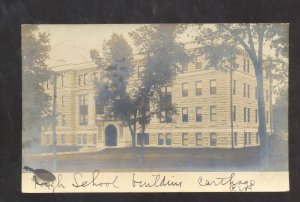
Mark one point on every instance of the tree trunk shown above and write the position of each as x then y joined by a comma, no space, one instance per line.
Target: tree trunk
133,140
263,137
142,145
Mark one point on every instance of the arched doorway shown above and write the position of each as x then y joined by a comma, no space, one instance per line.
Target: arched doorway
110,136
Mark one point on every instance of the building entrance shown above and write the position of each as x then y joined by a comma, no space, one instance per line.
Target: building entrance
110,136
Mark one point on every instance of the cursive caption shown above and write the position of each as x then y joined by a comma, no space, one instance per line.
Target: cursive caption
142,181
232,184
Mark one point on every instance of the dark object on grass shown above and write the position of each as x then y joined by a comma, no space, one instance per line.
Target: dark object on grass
41,174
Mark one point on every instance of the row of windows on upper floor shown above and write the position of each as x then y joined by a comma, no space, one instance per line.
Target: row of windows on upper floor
213,114
82,81
83,115
198,91
83,112
213,89
198,65
83,78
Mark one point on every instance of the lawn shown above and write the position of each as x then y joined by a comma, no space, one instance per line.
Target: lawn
161,159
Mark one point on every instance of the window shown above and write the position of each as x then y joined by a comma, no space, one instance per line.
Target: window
168,139
121,131
80,80
198,139
256,115
245,89
198,63
83,100
94,139
145,138
184,89
62,81
248,114
245,114
198,114
249,138
248,66
257,138
84,79
47,139
99,108
62,139
248,91
267,75
84,141
83,110
79,141
141,70
185,139
213,87
213,113
256,92
99,105
62,100
101,76
63,121
245,138
267,96
235,138
234,113
185,114
244,66
185,68
160,139
165,105
213,139
198,88
234,87
47,85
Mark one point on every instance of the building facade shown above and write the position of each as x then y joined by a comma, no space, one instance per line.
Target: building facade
215,109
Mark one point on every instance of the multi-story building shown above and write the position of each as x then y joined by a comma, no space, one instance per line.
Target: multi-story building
215,109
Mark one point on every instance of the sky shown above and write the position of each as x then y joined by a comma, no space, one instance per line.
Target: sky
72,43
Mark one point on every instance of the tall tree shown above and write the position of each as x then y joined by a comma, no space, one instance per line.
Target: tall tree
118,101
277,72
252,38
163,57
35,103
132,101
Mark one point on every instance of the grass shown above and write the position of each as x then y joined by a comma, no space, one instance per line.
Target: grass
161,159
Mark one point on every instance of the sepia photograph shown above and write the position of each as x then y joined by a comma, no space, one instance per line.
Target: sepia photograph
158,107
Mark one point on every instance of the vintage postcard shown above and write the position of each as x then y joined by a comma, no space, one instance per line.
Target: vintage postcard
155,108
